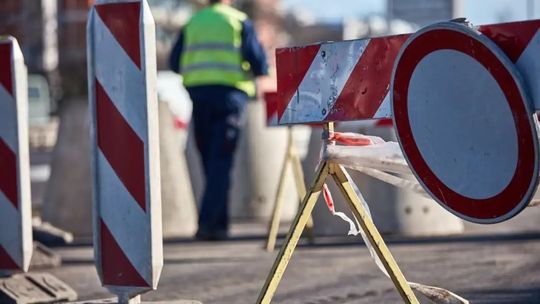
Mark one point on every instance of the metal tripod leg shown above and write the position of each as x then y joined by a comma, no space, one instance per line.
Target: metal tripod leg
372,234
291,157
293,236
273,226
301,189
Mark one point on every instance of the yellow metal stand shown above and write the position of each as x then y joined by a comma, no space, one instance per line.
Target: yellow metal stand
338,174
291,158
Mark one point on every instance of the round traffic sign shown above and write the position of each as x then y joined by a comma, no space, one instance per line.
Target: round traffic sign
465,123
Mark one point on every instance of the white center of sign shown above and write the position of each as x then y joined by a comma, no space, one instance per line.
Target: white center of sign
450,119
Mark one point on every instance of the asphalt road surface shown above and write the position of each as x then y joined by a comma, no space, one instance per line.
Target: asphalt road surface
497,264
488,264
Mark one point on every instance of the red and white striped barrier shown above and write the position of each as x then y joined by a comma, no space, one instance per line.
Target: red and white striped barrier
15,202
462,100
350,80
125,162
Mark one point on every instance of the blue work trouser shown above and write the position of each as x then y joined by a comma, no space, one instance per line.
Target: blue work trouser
217,117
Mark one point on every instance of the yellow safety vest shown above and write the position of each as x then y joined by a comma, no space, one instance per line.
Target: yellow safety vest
211,54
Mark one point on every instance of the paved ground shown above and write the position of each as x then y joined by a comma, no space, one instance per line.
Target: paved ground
489,264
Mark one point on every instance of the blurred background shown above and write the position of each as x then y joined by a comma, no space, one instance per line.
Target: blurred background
52,32
52,35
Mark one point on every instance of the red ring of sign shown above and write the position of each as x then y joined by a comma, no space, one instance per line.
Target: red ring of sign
507,200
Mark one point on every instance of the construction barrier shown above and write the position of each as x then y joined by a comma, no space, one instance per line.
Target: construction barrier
125,141
462,100
351,80
15,202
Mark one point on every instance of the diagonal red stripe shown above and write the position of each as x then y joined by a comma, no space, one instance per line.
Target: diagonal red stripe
122,20
116,268
6,262
8,173
292,66
369,81
121,146
5,67
385,122
271,104
512,37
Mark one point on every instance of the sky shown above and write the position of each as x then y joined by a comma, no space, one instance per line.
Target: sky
477,11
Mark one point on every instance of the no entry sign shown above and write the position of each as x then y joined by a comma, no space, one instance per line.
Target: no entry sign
465,123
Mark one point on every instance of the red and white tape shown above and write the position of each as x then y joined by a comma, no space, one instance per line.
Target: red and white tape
350,80
348,139
123,103
15,202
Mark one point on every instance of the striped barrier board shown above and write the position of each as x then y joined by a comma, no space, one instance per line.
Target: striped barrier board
125,158
15,202
350,80
462,100
271,101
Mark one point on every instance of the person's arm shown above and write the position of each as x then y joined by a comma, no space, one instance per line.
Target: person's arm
176,53
252,50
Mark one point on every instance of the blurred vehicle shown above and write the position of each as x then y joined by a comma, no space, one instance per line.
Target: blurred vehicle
43,127
39,100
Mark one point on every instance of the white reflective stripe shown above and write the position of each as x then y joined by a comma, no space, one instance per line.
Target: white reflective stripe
212,65
125,86
8,119
127,222
211,47
385,109
333,70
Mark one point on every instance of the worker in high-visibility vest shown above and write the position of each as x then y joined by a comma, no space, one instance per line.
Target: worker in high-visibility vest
219,56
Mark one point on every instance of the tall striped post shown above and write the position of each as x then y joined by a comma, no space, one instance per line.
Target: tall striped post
15,203
125,147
